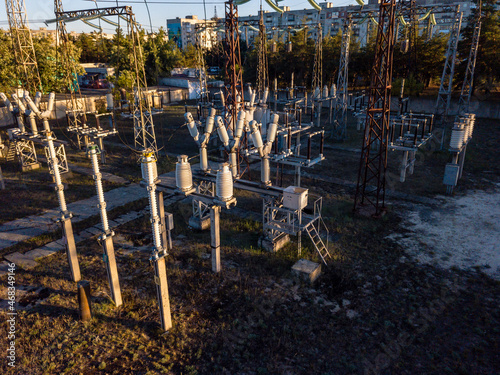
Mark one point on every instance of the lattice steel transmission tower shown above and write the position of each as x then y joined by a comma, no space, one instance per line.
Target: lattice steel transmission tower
317,80
262,71
340,110
373,162
75,105
444,94
144,134
24,51
234,85
465,94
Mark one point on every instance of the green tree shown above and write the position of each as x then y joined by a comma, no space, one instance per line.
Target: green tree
487,71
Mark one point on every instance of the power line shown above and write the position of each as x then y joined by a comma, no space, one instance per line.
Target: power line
157,2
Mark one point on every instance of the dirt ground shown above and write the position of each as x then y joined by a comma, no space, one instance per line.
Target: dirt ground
414,292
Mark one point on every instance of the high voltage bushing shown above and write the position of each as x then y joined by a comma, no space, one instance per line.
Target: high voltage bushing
65,215
107,236
149,174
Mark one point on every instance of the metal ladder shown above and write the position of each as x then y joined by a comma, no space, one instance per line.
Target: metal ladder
318,243
11,152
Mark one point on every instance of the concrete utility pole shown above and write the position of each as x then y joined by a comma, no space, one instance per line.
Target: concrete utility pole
215,237
159,252
53,161
107,236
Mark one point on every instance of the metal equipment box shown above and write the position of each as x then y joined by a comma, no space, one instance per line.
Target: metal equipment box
295,198
451,173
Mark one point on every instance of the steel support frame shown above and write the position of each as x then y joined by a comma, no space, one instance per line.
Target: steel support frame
234,86
373,162
445,88
340,110
25,150
466,92
262,70
24,51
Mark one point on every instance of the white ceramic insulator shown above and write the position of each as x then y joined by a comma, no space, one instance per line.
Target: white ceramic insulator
209,128
266,94
240,124
233,160
250,90
57,175
222,131
252,98
317,92
109,101
203,159
99,189
457,138
333,90
272,128
50,104
224,183
325,91
223,101
255,135
183,174
33,125
193,129
153,205
38,98
265,173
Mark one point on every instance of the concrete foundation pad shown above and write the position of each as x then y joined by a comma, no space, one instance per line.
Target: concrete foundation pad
201,224
307,270
274,245
23,261
30,167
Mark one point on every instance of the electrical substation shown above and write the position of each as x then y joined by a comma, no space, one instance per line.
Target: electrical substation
270,144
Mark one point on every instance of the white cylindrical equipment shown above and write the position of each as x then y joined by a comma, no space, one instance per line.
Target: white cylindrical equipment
54,163
183,174
325,91
457,138
148,161
210,121
265,171
255,135
252,98
193,129
317,93
109,102
98,185
272,128
224,183
266,94
222,131
333,90
240,124
203,159
233,160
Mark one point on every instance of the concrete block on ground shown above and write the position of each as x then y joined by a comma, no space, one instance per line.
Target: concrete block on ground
23,261
274,245
201,224
306,270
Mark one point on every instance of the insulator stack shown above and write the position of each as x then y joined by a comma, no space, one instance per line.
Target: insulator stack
224,183
183,174
149,162
98,184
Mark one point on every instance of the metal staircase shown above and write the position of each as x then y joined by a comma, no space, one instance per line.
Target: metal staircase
11,152
319,245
